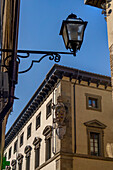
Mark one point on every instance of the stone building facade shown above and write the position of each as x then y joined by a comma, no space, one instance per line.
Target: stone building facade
66,125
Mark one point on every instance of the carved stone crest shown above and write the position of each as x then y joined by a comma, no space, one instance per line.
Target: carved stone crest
60,116
60,112
61,131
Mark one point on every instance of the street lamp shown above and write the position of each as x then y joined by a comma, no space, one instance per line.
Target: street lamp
72,31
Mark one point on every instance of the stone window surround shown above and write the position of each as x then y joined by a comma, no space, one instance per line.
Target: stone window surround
38,116
48,114
29,126
15,146
36,143
20,158
47,132
93,96
27,150
21,143
96,127
10,150
13,164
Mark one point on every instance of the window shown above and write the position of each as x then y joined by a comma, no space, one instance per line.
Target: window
15,146
47,132
94,144
95,137
10,152
27,151
37,157
20,161
29,131
21,139
13,164
48,148
36,143
5,155
38,120
28,163
93,102
20,166
48,109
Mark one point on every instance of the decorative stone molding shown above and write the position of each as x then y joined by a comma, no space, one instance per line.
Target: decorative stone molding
27,150
61,131
20,158
13,163
60,112
60,118
96,126
37,142
47,132
95,123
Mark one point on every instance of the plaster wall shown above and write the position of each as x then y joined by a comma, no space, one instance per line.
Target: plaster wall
83,115
80,163
35,133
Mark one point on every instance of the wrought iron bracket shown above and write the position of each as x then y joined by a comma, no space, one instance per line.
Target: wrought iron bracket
53,55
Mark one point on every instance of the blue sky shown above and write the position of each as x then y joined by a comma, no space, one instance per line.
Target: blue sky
39,27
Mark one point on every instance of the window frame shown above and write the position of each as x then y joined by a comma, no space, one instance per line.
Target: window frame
47,132
20,166
29,135
10,150
95,141
95,126
28,162
15,146
93,97
48,113
21,136
101,141
20,161
48,148
38,117
27,151
37,143
37,157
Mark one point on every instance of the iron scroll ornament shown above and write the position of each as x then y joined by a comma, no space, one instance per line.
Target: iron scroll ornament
53,55
56,57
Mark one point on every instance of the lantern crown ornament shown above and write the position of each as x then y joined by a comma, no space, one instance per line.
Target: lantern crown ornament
72,31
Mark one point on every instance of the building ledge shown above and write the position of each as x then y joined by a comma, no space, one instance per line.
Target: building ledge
95,3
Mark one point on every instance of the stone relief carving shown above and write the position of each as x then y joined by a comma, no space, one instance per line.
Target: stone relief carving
60,117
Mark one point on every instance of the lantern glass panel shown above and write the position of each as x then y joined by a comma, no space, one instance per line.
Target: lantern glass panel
65,36
75,31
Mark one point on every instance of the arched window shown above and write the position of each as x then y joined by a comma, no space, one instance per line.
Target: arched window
47,132
27,151
13,164
20,161
36,143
